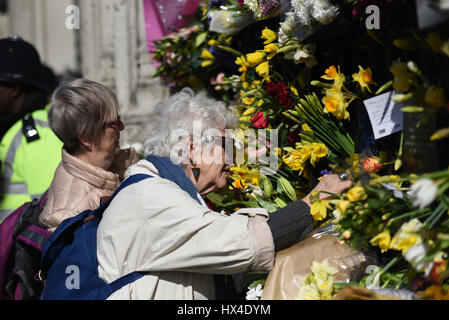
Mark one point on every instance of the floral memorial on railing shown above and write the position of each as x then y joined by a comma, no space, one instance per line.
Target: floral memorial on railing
354,86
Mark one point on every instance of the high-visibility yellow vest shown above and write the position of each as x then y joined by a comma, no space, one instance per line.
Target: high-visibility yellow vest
27,168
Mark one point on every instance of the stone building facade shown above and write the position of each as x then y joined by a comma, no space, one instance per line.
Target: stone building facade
109,47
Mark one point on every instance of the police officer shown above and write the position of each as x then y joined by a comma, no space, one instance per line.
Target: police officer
29,150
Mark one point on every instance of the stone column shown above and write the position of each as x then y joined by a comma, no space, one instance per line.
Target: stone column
42,23
114,53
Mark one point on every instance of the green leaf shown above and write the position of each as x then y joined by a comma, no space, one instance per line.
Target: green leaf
200,38
271,207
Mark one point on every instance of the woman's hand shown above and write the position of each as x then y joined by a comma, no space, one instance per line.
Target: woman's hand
330,183
126,158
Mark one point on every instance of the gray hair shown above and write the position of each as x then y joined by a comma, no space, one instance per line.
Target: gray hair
80,109
173,120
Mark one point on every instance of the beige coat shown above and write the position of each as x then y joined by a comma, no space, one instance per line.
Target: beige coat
156,227
77,186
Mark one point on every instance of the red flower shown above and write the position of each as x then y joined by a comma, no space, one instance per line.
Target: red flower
280,91
293,136
438,268
259,120
372,164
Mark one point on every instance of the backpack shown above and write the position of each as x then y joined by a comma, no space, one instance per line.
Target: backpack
69,257
21,240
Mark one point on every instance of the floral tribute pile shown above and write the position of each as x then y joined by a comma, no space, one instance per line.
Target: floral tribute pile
305,68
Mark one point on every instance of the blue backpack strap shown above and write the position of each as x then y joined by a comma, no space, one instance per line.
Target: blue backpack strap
130,277
64,233
130,180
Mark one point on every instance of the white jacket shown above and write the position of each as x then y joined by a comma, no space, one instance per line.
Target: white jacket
156,227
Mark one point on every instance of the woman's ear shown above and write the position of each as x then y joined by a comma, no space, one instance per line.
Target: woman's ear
194,155
86,144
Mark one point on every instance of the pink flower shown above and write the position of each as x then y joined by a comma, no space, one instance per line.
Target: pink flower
241,2
259,120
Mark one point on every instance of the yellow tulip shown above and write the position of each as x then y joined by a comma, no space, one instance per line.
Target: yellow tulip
356,194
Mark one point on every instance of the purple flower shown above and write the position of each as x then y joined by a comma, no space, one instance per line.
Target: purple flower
267,5
323,172
241,3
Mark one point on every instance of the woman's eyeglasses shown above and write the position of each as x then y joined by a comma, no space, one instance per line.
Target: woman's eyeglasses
118,123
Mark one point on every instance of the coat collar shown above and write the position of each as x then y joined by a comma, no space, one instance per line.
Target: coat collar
95,176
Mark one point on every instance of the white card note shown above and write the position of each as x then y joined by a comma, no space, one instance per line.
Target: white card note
385,115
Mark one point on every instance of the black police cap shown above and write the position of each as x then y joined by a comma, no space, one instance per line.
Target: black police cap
20,63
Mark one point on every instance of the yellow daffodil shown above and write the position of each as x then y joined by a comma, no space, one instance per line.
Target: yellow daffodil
255,58
319,209
271,49
268,35
382,240
293,160
244,177
335,103
331,73
435,97
305,152
319,150
356,194
402,77
364,78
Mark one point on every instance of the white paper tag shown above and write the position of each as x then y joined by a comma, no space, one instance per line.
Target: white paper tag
385,115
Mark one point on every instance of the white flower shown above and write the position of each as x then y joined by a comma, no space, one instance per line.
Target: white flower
423,192
255,7
415,254
254,293
396,192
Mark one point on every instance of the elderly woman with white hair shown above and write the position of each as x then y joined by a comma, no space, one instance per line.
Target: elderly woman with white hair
162,226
